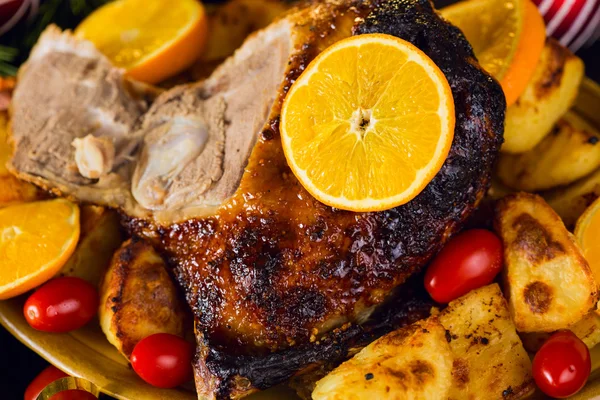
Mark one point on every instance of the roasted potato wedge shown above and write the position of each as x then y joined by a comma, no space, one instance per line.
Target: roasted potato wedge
570,202
487,358
548,282
138,297
569,153
414,362
232,22
588,330
100,237
490,361
549,94
229,25
12,190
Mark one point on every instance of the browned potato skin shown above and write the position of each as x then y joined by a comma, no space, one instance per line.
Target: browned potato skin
487,358
549,94
588,330
414,362
547,281
234,21
12,189
100,237
138,298
229,25
569,153
490,361
570,202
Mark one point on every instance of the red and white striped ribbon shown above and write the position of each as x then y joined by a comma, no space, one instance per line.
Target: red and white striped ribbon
26,8
574,23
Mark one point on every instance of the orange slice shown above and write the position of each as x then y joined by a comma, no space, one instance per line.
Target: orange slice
368,124
507,37
152,39
36,240
587,232
529,50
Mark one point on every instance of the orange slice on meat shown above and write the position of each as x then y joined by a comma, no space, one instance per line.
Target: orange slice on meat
368,124
36,240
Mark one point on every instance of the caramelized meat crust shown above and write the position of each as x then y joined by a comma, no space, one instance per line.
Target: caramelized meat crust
275,264
309,362
275,269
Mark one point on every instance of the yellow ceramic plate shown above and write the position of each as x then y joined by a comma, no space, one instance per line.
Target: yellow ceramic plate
87,354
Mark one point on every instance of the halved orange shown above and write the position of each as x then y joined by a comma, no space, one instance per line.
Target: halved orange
368,124
587,232
151,39
36,240
507,37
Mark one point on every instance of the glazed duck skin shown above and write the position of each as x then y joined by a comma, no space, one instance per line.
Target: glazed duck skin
275,268
268,271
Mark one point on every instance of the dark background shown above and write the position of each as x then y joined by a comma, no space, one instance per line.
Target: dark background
19,365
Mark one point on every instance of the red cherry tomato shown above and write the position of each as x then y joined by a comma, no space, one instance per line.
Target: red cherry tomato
163,360
562,365
46,377
468,261
61,305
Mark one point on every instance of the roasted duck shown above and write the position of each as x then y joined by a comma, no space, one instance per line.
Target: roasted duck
278,282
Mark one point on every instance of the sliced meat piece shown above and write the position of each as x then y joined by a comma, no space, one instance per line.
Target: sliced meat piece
198,137
182,159
68,90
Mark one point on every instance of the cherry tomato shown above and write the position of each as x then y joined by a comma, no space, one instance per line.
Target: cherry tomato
562,365
46,377
61,305
468,261
163,360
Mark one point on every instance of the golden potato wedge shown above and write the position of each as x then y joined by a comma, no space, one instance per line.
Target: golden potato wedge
234,21
138,298
569,153
490,361
12,190
549,94
547,281
414,362
100,237
570,202
588,330
229,25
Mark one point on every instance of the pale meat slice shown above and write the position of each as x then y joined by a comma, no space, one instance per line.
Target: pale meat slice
68,90
198,137
95,136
